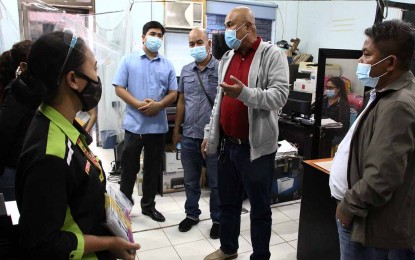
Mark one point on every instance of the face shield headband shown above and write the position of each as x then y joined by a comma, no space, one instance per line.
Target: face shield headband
71,46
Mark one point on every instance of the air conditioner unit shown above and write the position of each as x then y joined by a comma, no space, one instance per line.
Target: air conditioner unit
183,15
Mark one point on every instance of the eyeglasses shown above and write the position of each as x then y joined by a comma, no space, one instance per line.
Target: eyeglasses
71,46
82,75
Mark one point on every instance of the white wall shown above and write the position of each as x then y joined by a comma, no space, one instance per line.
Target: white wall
327,24
9,27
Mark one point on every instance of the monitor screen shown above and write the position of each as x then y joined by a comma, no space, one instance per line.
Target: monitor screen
298,104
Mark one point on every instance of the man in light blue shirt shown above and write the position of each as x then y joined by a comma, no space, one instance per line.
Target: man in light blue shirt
197,90
146,81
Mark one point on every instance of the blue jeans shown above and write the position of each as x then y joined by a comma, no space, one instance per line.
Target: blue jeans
7,183
350,250
236,175
192,161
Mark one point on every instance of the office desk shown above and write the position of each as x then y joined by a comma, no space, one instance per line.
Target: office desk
303,137
298,134
317,234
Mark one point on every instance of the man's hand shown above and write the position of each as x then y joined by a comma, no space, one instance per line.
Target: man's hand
151,108
176,137
203,148
232,91
344,220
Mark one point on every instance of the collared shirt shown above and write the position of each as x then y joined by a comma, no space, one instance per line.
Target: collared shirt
338,172
234,113
145,78
60,190
197,106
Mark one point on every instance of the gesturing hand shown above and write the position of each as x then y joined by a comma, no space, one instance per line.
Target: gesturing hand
232,91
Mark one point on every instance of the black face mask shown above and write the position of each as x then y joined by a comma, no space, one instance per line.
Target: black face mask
91,95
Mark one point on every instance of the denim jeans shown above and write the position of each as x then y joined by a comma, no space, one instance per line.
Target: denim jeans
350,250
192,161
7,183
236,175
153,145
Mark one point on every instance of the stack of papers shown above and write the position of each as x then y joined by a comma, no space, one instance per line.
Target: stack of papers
285,149
330,123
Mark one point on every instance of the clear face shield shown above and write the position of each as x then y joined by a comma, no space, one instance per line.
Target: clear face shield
107,36
40,18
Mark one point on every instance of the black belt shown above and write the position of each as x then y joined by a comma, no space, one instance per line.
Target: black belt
236,140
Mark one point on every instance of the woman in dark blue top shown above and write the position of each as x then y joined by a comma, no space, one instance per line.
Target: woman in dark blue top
336,106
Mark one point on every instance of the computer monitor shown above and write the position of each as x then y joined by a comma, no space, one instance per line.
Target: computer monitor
298,104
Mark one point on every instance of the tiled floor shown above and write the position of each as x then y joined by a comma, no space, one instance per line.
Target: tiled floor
163,241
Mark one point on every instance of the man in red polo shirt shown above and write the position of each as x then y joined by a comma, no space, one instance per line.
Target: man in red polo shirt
244,126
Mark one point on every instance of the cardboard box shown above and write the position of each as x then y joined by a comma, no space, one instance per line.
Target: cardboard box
307,67
306,85
173,181
333,70
288,179
173,162
173,174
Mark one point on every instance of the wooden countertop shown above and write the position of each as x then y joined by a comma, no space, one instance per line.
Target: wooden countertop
312,163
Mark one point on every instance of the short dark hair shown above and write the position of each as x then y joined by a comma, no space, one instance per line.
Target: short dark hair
6,71
10,60
394,37
339,83
151,25
19,52
46,59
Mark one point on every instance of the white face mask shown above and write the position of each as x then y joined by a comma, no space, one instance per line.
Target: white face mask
363,73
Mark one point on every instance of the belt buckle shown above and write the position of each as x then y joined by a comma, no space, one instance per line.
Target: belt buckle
239,141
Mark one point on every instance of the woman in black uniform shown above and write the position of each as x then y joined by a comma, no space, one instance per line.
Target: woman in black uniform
60,184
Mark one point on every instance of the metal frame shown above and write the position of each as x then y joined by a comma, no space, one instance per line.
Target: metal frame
380,8
323,55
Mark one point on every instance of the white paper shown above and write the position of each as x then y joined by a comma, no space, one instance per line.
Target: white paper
330,123
325,165
13,211
286,149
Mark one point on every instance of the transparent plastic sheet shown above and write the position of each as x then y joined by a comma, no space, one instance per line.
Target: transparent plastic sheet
107,35
110,121
118,208
9,29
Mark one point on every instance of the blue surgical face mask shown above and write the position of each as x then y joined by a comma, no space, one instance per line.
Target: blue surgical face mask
153,44
363,74
330,93
198,53
231,40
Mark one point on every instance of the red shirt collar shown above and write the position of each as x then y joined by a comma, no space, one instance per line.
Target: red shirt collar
256,43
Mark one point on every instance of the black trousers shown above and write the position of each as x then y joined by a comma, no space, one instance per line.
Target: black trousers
153,145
